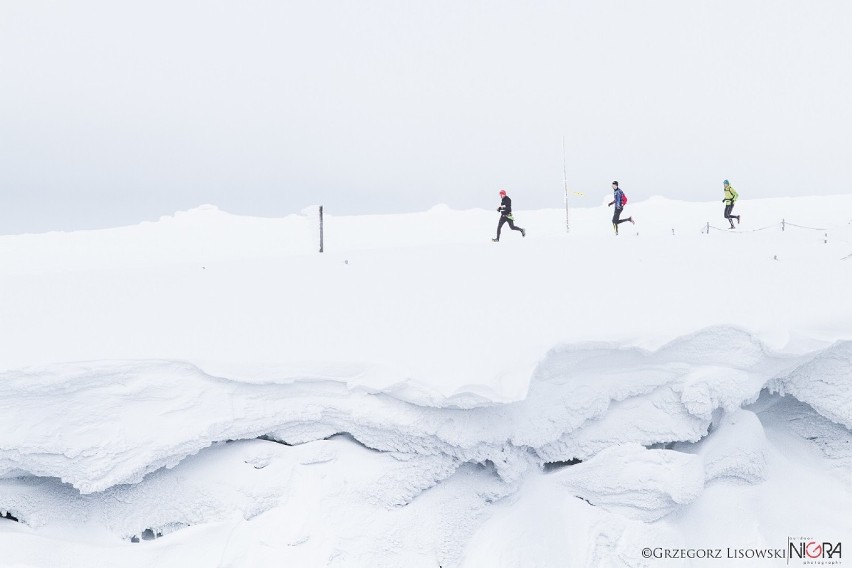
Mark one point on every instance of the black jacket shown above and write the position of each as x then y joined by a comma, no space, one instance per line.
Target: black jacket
505,206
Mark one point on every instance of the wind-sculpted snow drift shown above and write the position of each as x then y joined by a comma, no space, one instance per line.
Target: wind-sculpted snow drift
650,428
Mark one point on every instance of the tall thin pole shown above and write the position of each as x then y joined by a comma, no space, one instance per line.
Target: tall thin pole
320,227
565,178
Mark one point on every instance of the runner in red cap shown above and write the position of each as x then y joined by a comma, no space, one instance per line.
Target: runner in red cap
505,210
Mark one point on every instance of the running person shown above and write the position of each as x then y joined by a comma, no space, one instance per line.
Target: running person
731,197
505,210
618,201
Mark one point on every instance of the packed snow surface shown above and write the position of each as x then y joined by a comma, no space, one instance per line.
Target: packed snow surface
210,390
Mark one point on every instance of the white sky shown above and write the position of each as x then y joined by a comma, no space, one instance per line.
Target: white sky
116,112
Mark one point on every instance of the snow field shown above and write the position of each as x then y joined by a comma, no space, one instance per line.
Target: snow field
420,396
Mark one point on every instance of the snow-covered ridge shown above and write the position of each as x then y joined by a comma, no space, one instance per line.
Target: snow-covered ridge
207,233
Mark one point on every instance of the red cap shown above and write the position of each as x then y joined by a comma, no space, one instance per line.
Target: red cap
502,192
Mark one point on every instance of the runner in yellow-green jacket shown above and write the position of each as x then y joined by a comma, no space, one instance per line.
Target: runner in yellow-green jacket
731,197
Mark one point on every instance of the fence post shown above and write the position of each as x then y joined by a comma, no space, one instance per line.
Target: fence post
320,228
708,227
783,224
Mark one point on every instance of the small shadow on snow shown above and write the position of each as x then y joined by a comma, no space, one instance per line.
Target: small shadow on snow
152,534
550,467
9,516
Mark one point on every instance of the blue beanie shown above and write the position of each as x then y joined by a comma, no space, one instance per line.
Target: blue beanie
726,182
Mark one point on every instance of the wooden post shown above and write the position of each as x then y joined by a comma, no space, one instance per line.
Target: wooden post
320,228
783,223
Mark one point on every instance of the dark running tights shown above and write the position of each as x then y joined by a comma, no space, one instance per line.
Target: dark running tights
504,219
728,209
616,215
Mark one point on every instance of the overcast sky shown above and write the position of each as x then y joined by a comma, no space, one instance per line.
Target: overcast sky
113,112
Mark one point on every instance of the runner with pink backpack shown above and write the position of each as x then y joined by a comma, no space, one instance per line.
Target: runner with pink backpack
619,200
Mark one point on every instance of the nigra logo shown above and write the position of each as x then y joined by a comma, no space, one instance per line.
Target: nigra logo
813,549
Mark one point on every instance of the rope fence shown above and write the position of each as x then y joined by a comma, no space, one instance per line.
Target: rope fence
721,230
706,229
803,227
783,224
